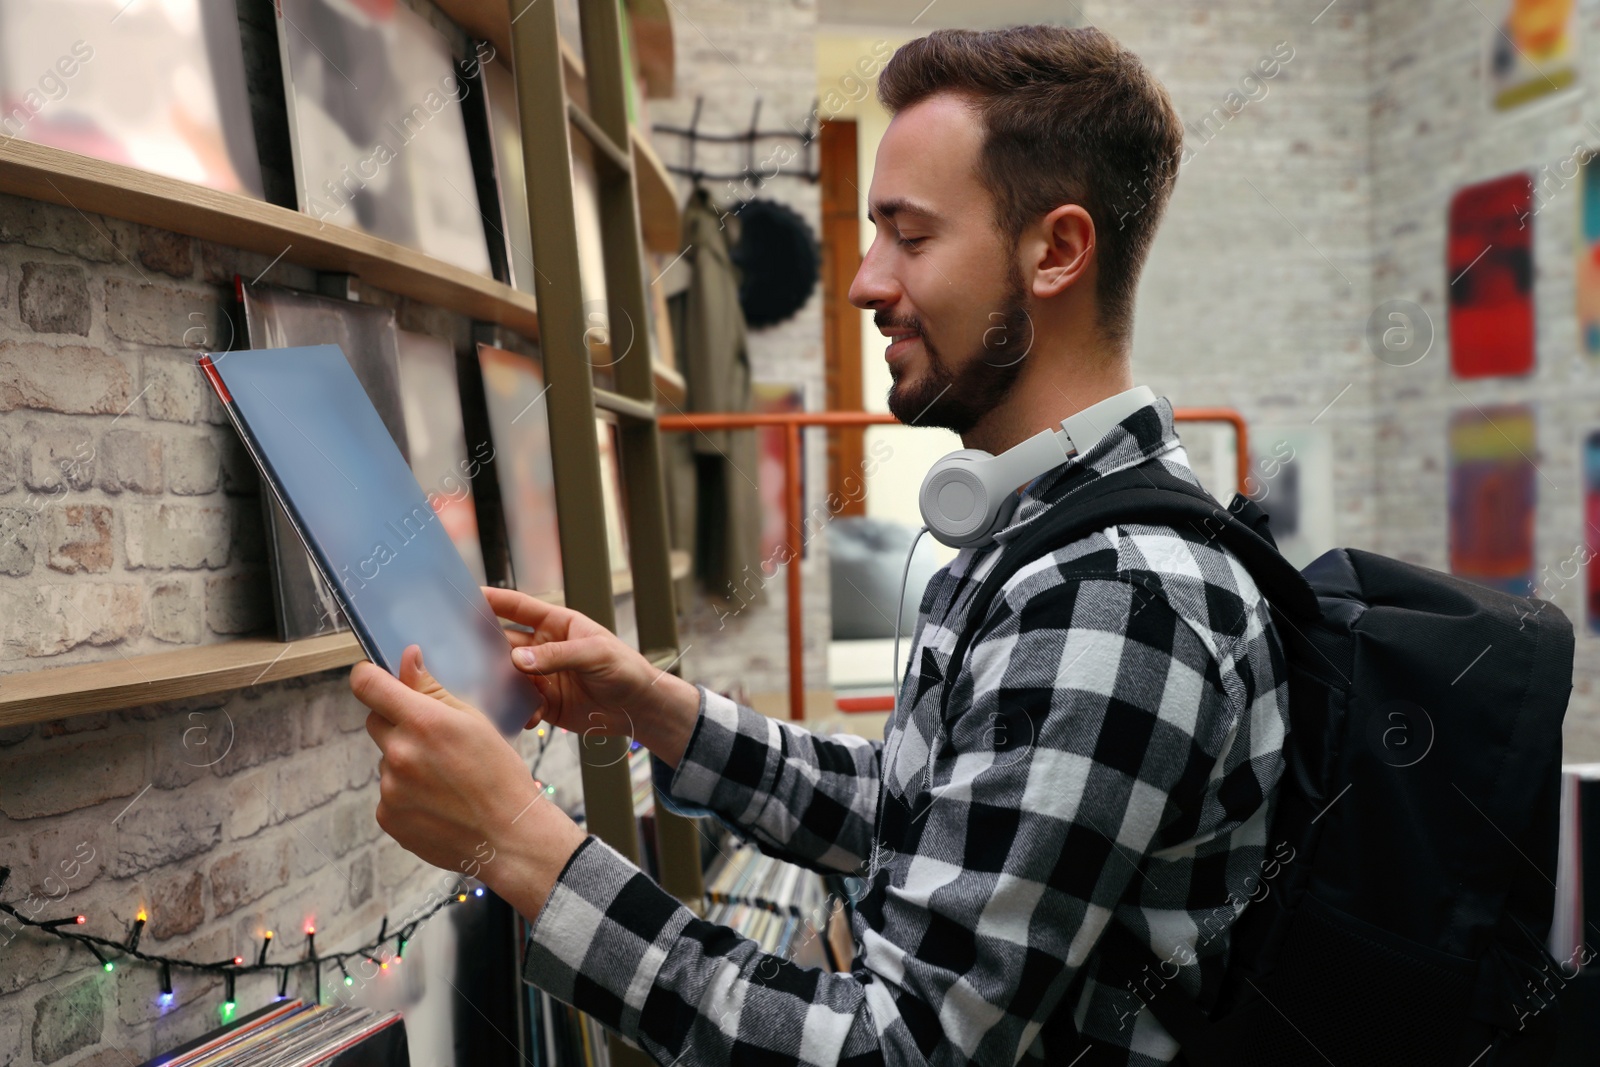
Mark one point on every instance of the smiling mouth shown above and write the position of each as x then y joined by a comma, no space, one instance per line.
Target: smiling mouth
899,344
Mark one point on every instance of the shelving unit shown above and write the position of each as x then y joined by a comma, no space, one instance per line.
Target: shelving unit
129,681
561,96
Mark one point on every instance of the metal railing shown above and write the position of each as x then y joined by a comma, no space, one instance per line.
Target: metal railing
792,423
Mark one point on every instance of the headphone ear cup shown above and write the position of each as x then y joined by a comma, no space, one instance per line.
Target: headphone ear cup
958,505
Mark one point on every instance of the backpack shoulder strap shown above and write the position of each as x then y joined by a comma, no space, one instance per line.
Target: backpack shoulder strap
1145,494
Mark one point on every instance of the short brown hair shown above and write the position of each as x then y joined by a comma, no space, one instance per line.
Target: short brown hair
1070,116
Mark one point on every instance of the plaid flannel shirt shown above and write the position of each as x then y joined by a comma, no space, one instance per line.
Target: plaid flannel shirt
1113,746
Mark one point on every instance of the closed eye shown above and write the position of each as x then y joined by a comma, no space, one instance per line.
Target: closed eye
910,242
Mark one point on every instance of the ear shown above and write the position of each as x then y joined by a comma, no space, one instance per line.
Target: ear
1063,248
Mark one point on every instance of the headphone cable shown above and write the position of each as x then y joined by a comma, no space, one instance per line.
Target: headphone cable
899,611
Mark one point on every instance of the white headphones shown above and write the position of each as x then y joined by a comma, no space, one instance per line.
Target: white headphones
969,495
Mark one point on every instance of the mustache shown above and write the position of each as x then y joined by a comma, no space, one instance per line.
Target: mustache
882,320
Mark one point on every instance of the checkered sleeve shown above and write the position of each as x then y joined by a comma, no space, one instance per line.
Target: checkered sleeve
804,797
1038,812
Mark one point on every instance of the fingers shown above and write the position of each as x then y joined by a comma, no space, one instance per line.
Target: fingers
529,611
415,675
386,695
585,654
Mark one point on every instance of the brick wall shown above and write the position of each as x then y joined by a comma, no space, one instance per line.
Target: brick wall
728,53
1433,132
130,522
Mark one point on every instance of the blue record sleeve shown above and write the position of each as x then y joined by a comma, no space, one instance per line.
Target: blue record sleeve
327,456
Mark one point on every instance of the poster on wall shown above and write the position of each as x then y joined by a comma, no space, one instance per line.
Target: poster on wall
1489,266
159,87
1492,497
1533,51
1291,478
280,318
1587,280
380,142
1591,528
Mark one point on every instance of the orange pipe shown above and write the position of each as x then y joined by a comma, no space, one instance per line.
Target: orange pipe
793,422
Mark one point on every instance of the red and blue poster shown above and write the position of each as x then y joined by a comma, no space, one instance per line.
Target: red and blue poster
1489,265
1591,528
1492,497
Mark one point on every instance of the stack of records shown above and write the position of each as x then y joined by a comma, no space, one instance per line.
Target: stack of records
644,809
292,1033
777,904
563,1036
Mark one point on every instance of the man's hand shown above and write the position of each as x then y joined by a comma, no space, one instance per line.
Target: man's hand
592,681
454,792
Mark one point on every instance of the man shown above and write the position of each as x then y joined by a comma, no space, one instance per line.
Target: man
1115,733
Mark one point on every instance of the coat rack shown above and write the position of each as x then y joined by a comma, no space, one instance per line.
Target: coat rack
692,135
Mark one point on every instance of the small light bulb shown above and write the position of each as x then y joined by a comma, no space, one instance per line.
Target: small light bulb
348,980
142,917
478,891
109,966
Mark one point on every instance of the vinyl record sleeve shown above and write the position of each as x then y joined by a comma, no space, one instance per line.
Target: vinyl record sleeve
519,424
439,451
281,318
326,455
380,141
160,87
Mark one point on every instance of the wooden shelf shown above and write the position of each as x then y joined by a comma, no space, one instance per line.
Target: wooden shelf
43,173
130,681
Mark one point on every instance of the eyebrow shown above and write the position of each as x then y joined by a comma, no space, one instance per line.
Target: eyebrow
897,205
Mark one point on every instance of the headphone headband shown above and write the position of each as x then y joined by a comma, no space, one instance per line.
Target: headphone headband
970,494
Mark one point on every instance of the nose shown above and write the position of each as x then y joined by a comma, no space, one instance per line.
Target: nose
874,285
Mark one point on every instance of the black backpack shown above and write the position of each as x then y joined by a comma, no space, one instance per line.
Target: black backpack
1404,916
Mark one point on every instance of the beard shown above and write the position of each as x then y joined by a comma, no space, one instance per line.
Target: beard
956,395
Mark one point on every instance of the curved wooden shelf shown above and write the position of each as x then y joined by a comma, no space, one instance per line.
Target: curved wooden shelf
130,681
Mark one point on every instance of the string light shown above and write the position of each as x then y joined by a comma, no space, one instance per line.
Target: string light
266,943
138,928
105,964
99,947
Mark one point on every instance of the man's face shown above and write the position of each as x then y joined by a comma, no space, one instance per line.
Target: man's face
942,283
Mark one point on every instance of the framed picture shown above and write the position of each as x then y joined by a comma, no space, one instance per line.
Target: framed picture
518,426
159,87
1533,51
280,318
440,456
1291,478
380,142
1492,497
1489,267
